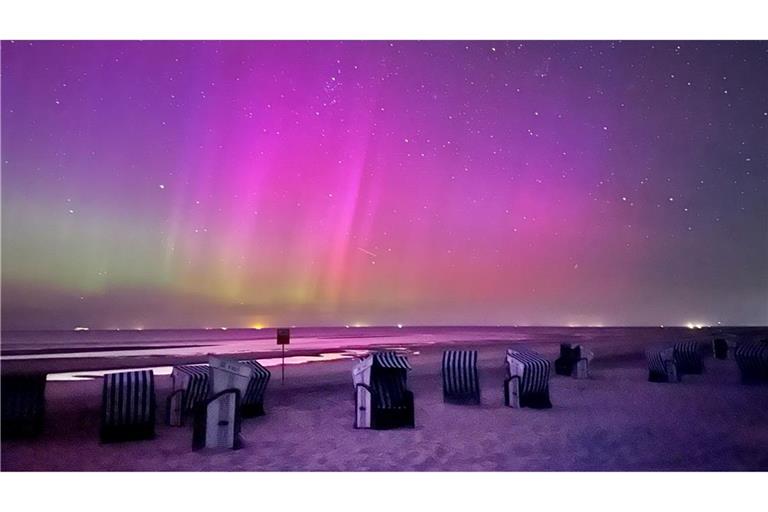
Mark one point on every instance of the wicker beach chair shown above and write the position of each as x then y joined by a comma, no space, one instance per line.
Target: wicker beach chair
23,405
688,359
128,406
574,361
752,359
720,348
382,397
661,365
461,383
191,387
527,382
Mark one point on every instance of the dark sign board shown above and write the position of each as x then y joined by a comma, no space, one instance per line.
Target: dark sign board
283,336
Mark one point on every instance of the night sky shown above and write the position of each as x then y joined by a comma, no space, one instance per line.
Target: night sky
207,184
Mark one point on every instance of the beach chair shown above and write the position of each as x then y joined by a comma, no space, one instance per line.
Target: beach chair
752,359
527,381
661,365
217,419
253,399
128,406
461,383
720,348
382,397
191,387
688,359
573,361
23,405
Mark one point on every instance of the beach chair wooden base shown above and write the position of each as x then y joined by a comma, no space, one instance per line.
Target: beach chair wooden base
512,392
470,399
363,406
174,409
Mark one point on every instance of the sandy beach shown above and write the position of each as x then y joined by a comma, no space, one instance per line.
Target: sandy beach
614,421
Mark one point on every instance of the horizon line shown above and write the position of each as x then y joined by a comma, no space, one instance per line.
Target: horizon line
393,326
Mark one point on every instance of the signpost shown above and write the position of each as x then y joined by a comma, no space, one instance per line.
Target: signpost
283,339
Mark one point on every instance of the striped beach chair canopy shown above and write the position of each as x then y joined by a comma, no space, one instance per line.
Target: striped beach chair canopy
391,360
752,359
660,362
253,399
128,406
193,380
460,378
687,356
533,371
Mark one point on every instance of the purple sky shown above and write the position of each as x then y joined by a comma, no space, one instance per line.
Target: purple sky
205,184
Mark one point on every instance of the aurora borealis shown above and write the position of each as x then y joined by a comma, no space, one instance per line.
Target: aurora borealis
205,184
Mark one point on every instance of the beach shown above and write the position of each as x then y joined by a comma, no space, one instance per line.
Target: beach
616,420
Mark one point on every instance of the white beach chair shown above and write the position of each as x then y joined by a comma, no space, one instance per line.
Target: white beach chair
217,419
527,382
382,398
